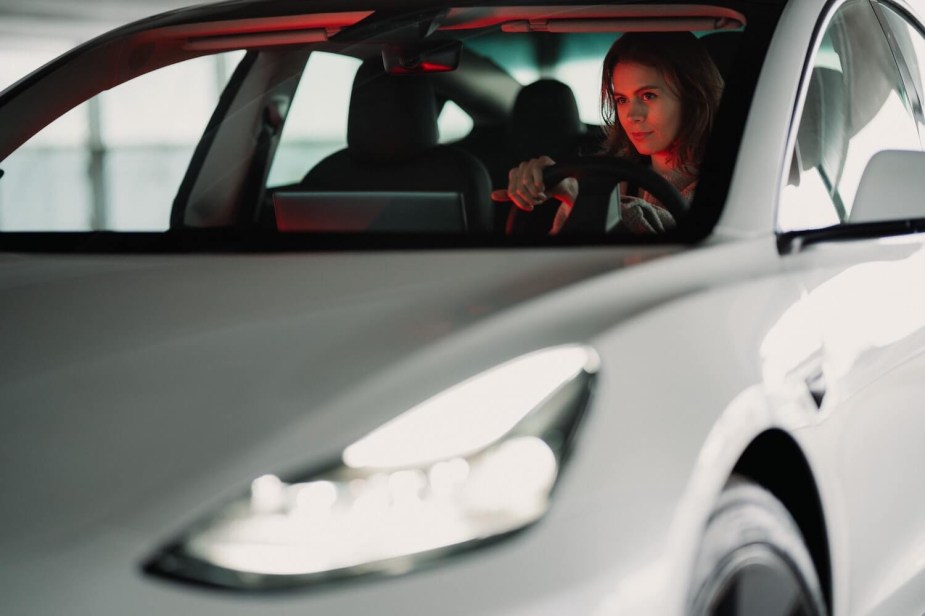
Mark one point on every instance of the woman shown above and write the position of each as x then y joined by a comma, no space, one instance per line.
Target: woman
659,95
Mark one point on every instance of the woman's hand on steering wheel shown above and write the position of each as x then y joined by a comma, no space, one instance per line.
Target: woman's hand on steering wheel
601,174
526,188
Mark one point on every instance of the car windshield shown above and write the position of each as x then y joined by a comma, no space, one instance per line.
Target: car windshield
383,127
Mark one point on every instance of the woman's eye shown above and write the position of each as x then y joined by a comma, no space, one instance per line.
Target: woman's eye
620,100
649,96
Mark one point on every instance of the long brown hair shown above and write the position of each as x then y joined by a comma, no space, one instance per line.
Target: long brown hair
689,71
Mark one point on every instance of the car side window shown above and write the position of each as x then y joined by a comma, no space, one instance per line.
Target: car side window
856,105
115,162
316,124
911,43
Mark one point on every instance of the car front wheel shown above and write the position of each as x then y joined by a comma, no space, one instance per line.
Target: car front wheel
753,559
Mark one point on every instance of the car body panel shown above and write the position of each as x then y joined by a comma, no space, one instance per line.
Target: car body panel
142,392
771,126
866,300
154,495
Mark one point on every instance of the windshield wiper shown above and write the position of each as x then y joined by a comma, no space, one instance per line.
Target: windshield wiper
793,241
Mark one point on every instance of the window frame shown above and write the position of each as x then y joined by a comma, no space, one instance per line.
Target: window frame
918,104
820,30
170,33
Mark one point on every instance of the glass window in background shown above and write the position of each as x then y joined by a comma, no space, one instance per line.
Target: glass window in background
577,63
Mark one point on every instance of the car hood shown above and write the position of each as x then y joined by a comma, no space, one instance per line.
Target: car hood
139,392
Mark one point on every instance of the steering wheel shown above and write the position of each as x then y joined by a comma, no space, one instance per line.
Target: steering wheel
599,176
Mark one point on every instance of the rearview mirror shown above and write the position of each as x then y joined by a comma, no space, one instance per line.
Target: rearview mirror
422,57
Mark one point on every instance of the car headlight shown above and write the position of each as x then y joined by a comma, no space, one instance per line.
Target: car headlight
475,462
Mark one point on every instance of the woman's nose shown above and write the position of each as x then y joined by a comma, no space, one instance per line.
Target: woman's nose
636,111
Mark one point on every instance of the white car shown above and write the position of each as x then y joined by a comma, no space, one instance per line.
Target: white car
233,386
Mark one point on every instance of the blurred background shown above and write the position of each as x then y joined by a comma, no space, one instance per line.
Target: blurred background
95,152
35,31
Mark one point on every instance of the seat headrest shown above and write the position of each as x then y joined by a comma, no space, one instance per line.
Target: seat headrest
391,119
544,119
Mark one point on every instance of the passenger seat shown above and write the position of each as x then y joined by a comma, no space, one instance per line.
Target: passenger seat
392,146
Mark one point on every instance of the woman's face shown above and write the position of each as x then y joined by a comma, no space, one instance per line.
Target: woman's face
647,108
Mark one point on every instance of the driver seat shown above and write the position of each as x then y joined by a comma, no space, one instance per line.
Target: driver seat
392,145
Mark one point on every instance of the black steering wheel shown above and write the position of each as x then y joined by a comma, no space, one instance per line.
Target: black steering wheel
599,176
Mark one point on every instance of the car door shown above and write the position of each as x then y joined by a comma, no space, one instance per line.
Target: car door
864,281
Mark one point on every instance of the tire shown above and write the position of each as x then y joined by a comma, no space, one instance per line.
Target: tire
753,560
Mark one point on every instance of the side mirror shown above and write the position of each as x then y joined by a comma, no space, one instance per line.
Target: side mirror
421,57
892,187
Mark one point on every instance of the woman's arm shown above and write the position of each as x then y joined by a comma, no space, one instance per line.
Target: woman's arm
526,189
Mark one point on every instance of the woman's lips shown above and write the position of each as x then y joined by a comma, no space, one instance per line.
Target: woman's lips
637,136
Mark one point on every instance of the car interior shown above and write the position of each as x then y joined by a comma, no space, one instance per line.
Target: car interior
392,147
413,65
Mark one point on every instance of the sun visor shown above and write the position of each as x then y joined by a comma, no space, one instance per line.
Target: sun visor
650,24
691,17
